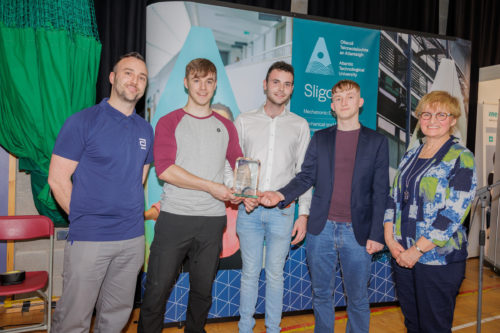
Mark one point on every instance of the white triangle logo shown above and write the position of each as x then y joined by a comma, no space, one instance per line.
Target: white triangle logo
320,62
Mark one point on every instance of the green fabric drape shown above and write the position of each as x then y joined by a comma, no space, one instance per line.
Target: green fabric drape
47,73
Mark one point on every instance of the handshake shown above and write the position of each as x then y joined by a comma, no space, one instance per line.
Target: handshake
223,193
268,199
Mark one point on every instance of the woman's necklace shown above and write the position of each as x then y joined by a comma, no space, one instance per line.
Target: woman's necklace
431,151
406,193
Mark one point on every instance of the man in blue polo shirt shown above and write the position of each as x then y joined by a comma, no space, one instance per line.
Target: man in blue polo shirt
98,166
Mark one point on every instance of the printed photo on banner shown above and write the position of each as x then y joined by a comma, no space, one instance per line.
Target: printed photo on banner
410,66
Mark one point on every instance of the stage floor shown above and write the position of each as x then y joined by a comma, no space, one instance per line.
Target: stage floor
384,318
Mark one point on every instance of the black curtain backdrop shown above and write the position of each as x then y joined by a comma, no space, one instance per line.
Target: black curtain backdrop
419,15
269,4
122,28
479,22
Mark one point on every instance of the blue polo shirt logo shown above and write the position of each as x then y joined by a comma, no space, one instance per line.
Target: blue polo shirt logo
142,143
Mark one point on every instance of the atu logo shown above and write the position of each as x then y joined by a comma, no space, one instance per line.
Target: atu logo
320,62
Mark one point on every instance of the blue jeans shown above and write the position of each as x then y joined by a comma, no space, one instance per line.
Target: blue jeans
274,227
336,243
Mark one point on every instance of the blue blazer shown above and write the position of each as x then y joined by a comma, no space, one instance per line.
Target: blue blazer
370,183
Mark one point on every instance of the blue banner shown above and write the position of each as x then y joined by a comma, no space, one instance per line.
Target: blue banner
324,53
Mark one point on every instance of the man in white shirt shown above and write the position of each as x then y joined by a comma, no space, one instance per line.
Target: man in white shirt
279,139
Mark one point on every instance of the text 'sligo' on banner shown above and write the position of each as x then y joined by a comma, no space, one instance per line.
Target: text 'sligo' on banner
324,53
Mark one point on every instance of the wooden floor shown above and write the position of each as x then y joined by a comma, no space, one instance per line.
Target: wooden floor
383,319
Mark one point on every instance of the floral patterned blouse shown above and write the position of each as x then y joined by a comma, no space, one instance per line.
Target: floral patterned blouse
443,191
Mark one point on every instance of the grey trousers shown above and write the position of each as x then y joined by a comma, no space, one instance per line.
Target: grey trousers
101,275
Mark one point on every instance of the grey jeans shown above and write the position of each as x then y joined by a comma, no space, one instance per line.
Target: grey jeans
101,275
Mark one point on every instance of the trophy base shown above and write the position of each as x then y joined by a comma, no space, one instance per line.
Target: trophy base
246,195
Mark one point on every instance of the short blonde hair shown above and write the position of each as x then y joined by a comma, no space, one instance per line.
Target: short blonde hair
344,85
439,99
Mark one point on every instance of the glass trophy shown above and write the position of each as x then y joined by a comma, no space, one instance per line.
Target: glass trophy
246,177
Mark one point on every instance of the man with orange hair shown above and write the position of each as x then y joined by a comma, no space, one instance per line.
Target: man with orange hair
348,164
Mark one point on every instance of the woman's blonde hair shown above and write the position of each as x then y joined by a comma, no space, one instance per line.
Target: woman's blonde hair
439,100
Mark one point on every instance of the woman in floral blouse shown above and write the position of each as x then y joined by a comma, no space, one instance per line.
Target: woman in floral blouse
423,225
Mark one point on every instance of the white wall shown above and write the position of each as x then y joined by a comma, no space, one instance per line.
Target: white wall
33,255
488,96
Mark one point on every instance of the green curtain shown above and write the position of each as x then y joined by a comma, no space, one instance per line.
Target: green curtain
49,59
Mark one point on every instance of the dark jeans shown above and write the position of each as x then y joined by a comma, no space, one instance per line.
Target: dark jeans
427,295
176,237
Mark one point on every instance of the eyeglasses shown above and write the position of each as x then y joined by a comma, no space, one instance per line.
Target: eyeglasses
441,116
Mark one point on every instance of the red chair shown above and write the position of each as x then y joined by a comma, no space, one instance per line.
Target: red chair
24,228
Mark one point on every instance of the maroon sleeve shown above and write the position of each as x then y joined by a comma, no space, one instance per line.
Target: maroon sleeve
233,147
165,145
